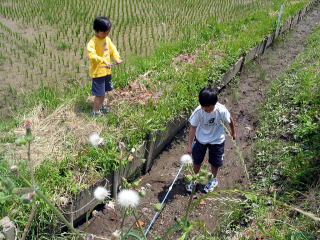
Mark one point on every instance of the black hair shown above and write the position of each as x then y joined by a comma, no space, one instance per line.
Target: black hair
208,97
102,24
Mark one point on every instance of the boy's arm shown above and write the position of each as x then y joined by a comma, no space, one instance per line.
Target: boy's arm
233,128
92,54
114,53
192,134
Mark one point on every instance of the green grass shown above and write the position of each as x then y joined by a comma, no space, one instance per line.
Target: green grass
293,114
287,153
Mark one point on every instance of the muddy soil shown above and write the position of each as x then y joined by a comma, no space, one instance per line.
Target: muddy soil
242,99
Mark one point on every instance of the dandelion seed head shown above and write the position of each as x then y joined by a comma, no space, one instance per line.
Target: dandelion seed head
100,193
128,198
95,140
186,159
133,150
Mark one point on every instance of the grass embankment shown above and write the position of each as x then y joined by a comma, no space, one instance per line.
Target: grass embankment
215,48
49,47
286,162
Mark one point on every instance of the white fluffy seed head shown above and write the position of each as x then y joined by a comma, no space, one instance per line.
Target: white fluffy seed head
128,198
95,140
186,159
100,193
133,150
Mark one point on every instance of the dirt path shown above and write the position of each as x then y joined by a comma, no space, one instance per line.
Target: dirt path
242,99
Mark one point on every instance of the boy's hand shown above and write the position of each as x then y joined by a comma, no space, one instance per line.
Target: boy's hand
233,129
118,61
108,65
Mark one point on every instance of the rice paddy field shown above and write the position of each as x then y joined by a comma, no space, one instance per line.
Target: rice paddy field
42,42
171,49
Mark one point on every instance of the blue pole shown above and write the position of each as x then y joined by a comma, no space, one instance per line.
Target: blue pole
165,197
279,16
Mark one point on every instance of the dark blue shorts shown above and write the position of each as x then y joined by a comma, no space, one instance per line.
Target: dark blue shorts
101,85
216,153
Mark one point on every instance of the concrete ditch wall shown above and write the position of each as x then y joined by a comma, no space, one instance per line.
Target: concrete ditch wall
157,140
85,201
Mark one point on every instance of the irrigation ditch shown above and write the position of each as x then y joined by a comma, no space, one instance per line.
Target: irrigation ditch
158,140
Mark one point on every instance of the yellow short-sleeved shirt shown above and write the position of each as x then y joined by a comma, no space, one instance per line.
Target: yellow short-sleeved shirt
100,50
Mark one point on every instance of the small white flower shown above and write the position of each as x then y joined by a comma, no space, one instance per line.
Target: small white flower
90,237
63,201
95,140
133,150
14,168
109,205
128,198
95,213
186,159
115,234
100,193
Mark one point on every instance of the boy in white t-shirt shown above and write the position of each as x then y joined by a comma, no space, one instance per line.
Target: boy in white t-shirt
207,132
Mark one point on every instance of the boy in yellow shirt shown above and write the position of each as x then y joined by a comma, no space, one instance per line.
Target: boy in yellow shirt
100,50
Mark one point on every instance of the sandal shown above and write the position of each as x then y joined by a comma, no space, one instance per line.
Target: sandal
96,114
105,109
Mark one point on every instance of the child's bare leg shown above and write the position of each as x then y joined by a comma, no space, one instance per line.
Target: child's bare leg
214,171
102,100
105,98
196,168
97,103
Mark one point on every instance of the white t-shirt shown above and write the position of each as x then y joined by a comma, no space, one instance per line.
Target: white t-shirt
209,125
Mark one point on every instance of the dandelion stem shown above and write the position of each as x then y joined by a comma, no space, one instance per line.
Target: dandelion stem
59,214
30,163
123,218
189,203
26,229
54,208
191,171
137,221
130,228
